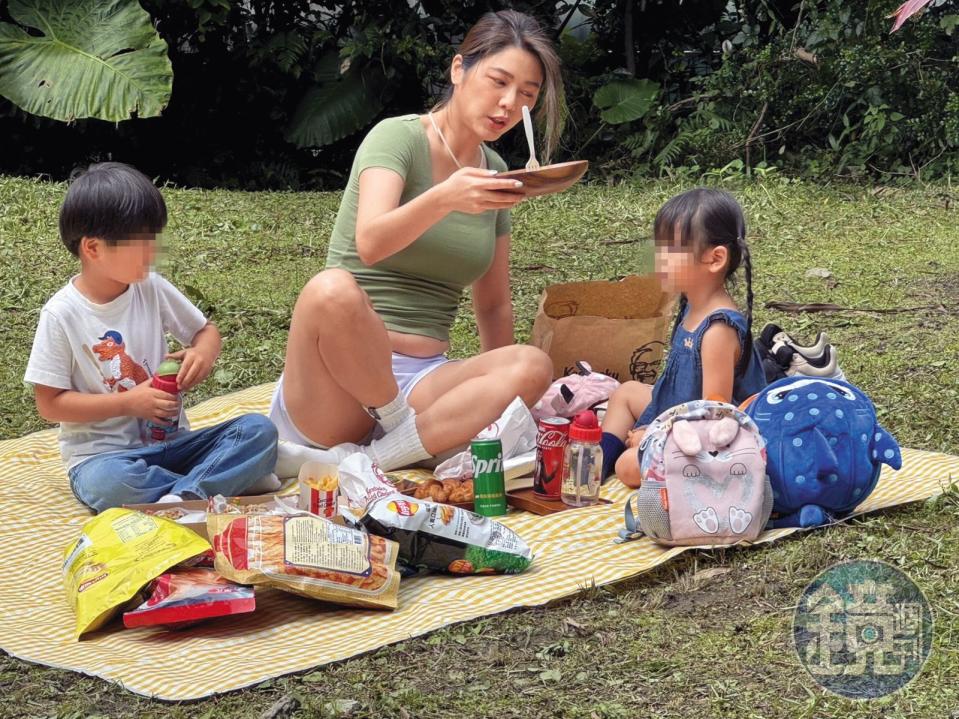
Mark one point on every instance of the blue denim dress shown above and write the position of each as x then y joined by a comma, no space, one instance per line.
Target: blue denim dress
682,380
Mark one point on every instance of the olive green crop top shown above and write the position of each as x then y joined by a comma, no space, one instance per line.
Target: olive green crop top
418,289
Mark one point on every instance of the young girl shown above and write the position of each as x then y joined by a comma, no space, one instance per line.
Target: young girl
700,239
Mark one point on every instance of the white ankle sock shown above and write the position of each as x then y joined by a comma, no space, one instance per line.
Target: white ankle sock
392,414
169,498
290,457
264,485
398,448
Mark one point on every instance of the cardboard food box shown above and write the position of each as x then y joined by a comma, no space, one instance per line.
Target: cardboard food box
619,327
319,488
194,510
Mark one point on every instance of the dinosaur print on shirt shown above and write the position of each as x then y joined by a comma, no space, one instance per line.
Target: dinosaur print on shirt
124,372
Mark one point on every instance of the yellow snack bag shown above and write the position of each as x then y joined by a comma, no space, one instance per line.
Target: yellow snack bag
118,552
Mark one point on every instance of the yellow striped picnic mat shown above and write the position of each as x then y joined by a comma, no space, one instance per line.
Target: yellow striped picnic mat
39,517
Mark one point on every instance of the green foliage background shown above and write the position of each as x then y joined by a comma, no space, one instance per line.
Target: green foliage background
278,95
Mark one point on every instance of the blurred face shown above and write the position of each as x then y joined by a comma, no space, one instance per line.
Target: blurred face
681,269
491,94
674,267
126,262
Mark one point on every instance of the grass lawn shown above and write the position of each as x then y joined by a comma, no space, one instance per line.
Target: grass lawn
709,634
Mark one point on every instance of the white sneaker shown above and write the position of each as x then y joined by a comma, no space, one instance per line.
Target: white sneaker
814,350
774,337
826,365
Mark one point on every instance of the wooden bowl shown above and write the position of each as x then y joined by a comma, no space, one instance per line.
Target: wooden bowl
547,179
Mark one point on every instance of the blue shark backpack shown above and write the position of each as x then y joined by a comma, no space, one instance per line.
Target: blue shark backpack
824,448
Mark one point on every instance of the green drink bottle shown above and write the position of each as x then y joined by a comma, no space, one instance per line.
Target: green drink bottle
489,482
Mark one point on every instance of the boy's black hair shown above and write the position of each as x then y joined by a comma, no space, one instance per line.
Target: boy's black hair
710,218
111,201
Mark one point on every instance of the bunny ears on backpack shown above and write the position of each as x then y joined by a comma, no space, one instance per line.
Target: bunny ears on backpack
721,434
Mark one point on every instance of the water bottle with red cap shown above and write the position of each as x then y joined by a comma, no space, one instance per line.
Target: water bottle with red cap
584,461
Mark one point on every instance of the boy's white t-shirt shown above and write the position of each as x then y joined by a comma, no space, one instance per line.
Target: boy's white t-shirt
98,349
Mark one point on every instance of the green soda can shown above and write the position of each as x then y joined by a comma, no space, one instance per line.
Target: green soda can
489,483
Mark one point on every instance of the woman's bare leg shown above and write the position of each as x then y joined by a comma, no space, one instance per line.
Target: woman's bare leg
458,400
338,361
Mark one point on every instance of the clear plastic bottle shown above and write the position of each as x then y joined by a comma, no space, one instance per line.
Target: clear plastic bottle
584,461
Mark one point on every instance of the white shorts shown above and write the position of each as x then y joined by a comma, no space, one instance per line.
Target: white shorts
407,370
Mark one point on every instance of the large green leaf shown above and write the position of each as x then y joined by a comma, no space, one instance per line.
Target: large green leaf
93,58
625,100
328,68
335,109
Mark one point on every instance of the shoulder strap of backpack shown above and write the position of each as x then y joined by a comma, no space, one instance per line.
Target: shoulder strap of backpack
632,530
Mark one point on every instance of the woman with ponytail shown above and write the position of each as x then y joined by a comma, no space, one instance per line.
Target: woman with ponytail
700,238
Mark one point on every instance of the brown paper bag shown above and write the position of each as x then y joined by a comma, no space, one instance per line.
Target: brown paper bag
619,328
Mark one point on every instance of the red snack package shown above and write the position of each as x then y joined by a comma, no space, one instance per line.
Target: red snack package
187,596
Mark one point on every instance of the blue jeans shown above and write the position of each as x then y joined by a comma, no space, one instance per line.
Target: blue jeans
223,459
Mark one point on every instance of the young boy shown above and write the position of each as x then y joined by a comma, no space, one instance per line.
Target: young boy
99,340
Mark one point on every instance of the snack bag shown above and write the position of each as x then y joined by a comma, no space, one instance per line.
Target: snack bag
432,535
118,552
308,555
218,504
184,597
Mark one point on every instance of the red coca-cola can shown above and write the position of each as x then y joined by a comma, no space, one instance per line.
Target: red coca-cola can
551,441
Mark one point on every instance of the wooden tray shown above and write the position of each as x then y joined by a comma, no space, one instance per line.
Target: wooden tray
528,500
525,499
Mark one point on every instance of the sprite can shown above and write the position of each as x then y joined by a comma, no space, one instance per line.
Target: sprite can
489,483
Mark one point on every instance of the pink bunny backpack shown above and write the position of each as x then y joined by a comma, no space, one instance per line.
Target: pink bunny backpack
568,396
704,478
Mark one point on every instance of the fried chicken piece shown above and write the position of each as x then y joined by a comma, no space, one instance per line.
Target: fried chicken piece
438,493
424,489
461,494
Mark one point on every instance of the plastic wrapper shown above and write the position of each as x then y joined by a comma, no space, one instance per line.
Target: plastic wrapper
184,597
431,535
308,555
118,552
515,428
